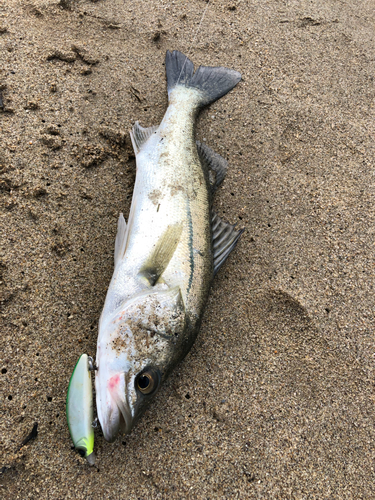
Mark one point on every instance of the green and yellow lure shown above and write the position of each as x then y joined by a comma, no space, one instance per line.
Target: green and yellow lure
79,409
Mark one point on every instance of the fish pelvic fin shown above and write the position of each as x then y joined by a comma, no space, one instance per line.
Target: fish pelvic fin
212,82
224,238
140,135
120,242
161,255
215,164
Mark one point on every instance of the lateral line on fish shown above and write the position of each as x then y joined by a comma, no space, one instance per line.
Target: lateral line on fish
191,236
194,38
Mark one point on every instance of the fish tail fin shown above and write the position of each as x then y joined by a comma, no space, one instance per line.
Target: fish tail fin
212,83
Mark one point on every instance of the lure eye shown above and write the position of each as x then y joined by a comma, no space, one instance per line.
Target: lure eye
146,383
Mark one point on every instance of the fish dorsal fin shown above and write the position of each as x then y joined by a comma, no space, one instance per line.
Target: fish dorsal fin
120,239
139,136
216,165
161,254
224,239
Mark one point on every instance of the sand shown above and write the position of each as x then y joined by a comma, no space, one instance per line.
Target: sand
276,398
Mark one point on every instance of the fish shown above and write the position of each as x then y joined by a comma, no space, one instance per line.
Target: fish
168,252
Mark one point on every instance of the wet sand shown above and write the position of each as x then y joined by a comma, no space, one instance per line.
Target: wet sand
276,398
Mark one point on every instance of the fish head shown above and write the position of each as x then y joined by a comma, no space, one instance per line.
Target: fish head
137,347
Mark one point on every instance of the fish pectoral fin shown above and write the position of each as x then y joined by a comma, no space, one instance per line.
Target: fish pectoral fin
224,239
139,136
120,239
216,165
161,254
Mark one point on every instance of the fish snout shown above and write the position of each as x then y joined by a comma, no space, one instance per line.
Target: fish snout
110,422
112,406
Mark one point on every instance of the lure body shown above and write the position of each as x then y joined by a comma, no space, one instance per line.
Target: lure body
79,409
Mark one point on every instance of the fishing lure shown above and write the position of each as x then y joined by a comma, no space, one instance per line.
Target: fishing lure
79,408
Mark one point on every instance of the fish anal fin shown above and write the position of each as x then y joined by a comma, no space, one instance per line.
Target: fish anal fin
120,239
161,254
140,135
217,166
224,239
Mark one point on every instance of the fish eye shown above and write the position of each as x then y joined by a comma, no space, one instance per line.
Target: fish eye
146,382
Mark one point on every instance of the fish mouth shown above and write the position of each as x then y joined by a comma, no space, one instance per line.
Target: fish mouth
118,419
114,413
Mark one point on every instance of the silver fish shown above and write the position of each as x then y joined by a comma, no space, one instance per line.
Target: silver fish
168,252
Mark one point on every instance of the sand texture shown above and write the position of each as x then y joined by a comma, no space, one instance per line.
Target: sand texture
276,398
